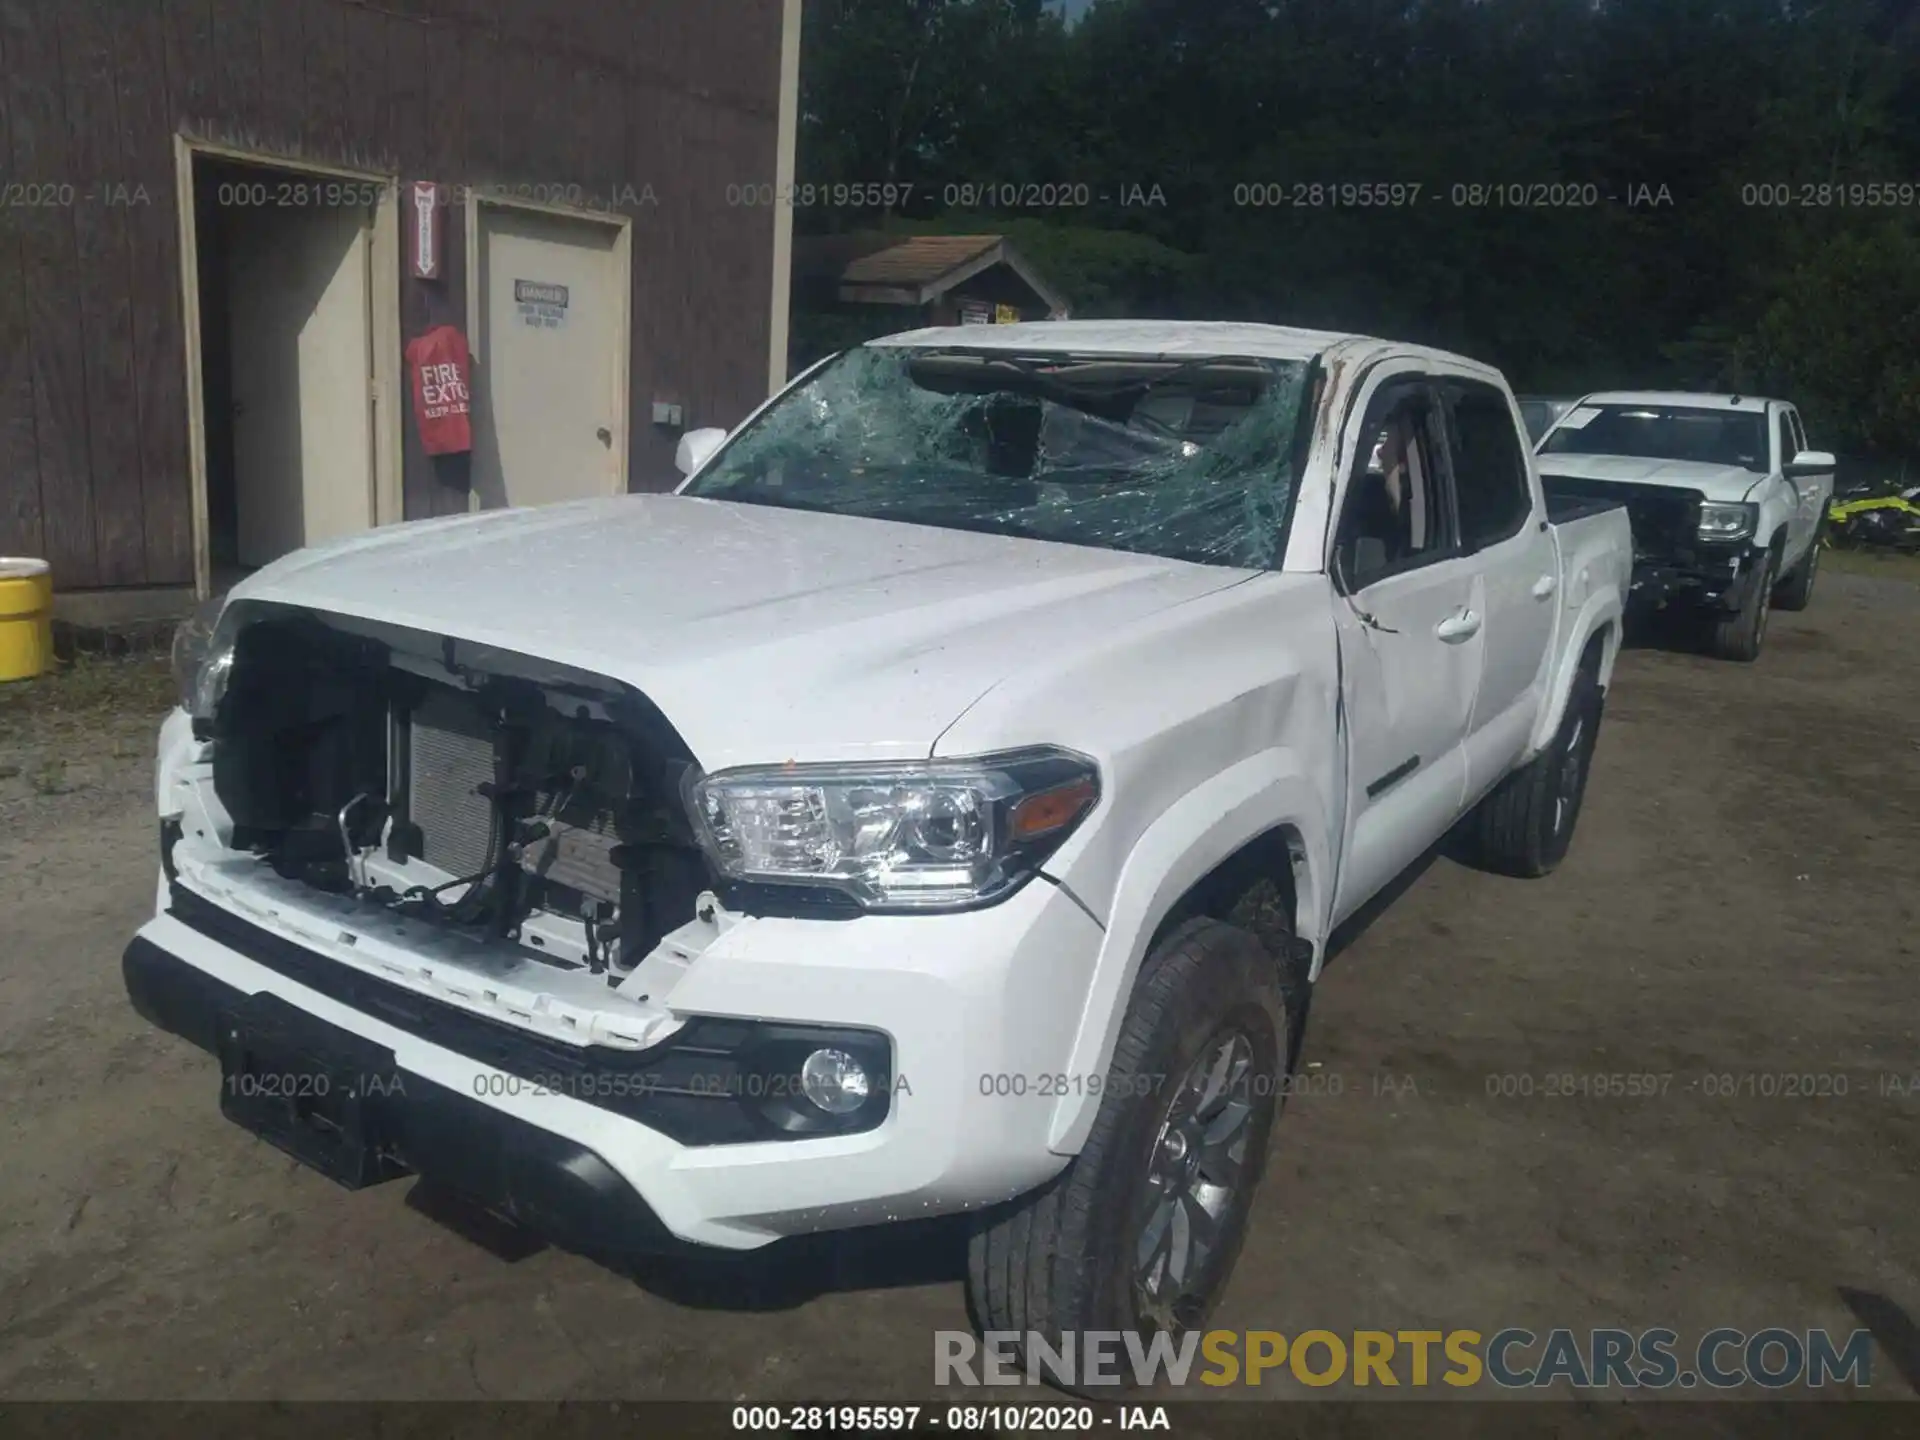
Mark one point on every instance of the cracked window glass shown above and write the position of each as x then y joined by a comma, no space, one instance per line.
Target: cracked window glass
1191,459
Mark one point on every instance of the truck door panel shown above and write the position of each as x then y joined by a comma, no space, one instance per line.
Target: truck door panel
1502,523
1411,626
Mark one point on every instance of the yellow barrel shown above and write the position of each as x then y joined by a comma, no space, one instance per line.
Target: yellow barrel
26,618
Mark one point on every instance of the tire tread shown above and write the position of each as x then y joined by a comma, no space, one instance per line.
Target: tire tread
1510,831
1028,1268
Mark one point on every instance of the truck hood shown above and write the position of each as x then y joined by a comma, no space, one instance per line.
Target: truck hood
1714,482
763,634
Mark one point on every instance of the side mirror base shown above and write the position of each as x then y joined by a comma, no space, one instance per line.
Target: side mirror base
696,448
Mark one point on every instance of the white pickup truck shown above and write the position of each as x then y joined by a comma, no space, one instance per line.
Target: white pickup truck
1727,502
939,804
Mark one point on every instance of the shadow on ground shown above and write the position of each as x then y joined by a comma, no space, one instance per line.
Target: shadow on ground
783,1276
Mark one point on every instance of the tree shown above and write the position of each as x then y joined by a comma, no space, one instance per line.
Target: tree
1838,336
1227,108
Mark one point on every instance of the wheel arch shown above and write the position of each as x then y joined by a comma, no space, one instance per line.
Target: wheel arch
1599,647
1259,823
1265,876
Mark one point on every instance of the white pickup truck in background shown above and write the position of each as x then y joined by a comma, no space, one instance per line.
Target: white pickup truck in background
940,804
1727,501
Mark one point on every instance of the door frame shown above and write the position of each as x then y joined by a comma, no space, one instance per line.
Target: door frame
383,335
1360,792
477,336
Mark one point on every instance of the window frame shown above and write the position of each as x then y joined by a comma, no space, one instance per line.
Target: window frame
1783,437
1452,389
1392,392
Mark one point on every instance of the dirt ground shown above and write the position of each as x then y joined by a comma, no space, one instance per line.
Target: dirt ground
1740,902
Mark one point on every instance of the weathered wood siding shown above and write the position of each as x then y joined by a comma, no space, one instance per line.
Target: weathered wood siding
663,102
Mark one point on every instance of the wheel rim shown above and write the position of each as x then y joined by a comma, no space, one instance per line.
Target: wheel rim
1573,765
1766,605
1196,1176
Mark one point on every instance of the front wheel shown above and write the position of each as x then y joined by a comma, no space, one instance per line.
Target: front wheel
1740,635
1796,591
1140,1232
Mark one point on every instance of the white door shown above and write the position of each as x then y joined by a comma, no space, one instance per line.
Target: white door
302,390
549,399
1411,642
1519,568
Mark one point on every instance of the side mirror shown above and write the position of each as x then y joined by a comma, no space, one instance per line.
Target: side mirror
696,448
1812,462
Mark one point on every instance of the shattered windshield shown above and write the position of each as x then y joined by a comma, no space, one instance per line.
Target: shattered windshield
1188,459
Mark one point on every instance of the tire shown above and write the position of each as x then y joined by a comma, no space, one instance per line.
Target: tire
1740,635
1796,591
1525,825
1111,1242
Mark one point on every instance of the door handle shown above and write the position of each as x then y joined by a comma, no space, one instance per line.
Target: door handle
1462,625
605,436
1544,587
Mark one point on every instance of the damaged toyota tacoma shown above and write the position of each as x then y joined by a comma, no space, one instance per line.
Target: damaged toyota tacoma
1727,502
940,804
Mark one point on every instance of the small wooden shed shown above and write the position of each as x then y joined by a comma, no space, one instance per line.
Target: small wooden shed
852,287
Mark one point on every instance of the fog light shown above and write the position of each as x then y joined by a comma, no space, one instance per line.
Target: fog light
834,1081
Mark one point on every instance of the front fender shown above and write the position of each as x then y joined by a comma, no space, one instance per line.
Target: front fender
1778,505
1266,791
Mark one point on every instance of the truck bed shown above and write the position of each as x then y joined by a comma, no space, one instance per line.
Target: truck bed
1665,519
1594,538
1563,509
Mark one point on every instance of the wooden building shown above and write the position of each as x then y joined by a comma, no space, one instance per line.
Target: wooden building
214,252
863,284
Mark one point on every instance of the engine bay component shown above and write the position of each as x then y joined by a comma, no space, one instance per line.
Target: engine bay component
484,790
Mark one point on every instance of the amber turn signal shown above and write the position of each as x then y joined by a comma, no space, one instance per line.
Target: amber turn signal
1049,810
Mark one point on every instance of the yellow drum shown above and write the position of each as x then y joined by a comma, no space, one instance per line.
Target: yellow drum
26,618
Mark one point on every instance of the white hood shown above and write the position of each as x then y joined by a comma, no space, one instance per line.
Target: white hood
1714,482
763,634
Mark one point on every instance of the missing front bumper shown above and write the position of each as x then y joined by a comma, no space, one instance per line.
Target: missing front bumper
1710,582
713,1082
407,1124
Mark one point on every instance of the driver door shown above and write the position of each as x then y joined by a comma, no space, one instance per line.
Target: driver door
1410,610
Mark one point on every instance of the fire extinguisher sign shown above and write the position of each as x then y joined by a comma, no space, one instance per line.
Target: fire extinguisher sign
442,396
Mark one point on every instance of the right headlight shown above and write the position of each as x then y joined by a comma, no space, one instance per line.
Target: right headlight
202,659
1728,520
927,836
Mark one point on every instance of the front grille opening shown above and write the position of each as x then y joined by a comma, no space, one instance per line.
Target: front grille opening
500,794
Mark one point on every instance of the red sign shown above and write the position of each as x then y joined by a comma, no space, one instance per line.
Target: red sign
442,401
423,246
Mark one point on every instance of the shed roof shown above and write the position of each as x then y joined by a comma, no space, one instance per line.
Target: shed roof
919,269
923,260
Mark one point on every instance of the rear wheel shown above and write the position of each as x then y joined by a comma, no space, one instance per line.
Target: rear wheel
1524,827
1141,1230
1740,635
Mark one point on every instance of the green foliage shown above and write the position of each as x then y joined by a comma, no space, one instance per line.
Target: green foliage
1672,110
1838,334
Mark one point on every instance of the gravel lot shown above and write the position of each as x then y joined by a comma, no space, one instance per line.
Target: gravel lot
1740,902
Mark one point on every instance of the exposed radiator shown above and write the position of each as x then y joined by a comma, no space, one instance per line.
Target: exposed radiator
451,756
